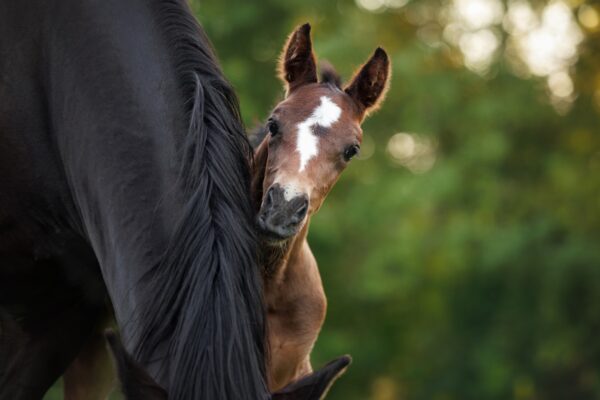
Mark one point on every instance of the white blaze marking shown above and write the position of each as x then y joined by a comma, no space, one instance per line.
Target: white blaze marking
291,187
324,115
291,191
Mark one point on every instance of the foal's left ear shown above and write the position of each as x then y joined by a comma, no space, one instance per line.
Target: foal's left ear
370,83
297,65
136,384
316,385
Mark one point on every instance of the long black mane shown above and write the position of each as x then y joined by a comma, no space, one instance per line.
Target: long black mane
204,299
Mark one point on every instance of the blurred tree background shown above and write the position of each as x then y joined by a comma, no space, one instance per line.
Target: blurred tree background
461,253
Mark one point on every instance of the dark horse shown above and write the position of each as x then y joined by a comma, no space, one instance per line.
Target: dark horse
124,185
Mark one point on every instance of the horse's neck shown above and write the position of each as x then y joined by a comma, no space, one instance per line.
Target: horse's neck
115,136
160,187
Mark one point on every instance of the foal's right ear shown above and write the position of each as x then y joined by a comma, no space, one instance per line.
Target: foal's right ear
316,385
135,382
297,65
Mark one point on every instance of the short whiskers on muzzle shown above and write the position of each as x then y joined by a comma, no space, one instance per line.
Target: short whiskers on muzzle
280,218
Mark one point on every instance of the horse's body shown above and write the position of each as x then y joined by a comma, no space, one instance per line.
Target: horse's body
123,183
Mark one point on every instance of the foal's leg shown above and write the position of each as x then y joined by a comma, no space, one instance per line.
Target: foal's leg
91,375
34,354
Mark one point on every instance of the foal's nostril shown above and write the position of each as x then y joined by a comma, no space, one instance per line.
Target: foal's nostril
300,212
270,199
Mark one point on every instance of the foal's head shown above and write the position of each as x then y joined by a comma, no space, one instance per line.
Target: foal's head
312,135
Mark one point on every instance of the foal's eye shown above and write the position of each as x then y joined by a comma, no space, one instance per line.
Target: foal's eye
351,151
272,126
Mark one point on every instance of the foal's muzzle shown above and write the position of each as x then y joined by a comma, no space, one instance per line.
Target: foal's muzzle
279,218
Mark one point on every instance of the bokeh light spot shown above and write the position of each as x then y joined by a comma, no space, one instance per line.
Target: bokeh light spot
371,5
477,14
478,49
588,17
415,152
560,84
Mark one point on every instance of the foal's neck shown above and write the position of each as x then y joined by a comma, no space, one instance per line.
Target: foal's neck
275,257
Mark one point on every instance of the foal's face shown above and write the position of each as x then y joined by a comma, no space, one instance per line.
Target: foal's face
312,135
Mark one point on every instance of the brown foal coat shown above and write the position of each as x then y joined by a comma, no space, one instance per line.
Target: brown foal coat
293,291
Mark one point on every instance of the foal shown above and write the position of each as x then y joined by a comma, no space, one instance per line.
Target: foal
311,137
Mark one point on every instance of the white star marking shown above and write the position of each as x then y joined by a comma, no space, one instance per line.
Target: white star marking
324,115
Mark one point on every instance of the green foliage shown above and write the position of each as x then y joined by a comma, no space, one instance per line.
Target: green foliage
478,278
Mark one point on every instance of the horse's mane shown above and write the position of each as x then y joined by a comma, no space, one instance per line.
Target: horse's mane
205,299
